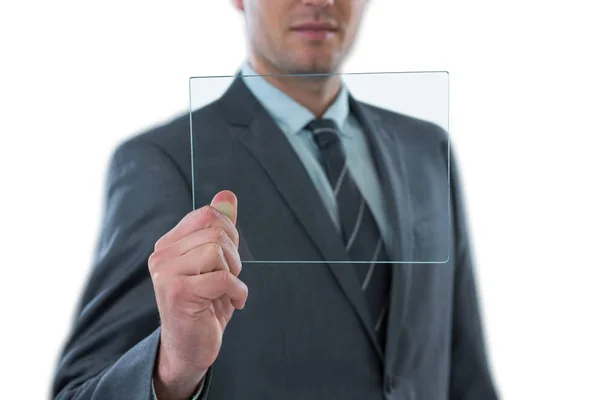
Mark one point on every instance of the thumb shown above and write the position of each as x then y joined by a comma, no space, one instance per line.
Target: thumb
226,202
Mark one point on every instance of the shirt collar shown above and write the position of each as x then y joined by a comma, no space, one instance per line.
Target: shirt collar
286,111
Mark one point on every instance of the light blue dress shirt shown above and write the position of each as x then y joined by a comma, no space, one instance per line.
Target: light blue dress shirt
292,117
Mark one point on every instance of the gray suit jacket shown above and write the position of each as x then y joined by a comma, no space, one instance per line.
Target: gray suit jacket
304,333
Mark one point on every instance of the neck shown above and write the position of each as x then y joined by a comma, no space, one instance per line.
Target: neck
316,93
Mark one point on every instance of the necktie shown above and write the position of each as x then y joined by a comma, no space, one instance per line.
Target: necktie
359,230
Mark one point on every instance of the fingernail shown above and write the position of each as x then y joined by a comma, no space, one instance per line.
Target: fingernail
225,208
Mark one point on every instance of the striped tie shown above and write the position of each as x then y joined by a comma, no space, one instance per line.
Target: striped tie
358,227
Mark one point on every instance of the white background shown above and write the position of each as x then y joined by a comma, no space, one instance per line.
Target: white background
78,77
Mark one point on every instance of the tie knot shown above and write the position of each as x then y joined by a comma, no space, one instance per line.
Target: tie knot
325,132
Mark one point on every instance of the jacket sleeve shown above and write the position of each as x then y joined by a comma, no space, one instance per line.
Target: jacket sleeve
111,350
470,372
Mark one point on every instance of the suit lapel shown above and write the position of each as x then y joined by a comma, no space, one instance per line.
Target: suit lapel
389,160
259,134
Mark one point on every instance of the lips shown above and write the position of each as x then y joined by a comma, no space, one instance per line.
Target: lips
315,26
315,31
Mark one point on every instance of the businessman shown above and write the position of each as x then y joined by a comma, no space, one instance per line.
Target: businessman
286,168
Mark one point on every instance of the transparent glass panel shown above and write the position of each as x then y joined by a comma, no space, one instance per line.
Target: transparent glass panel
362,178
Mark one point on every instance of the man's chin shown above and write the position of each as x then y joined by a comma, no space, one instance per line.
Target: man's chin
314,69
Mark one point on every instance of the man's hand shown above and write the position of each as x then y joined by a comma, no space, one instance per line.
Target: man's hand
194,270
